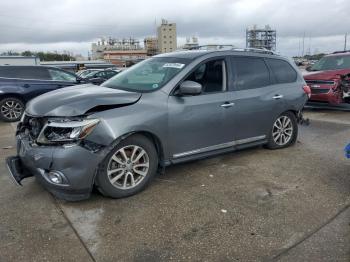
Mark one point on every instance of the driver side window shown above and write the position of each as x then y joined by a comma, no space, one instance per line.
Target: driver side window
211,75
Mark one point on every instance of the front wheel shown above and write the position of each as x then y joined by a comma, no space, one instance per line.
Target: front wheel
128,168
284,131
11,109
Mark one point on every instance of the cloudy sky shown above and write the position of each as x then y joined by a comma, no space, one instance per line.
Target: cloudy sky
48,25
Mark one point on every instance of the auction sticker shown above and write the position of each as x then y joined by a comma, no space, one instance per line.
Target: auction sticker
174,65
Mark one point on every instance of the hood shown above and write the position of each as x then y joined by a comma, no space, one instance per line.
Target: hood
325,75
79,100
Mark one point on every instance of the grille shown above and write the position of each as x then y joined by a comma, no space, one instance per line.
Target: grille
319,91
320,82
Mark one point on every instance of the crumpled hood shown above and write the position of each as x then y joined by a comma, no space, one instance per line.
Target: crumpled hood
325,75
77,100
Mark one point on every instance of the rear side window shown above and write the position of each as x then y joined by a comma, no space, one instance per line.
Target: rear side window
58,75
282,71
249,73
25,72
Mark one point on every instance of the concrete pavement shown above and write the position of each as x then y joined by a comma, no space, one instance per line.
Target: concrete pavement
252,205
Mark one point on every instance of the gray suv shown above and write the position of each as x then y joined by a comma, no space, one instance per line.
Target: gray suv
165,110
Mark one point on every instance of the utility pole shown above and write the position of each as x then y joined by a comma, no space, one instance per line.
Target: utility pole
346,37
302,53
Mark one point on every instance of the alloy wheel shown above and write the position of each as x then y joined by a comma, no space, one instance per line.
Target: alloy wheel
128,167
282,130
11,109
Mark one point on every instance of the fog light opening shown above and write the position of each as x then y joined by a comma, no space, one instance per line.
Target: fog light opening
55,177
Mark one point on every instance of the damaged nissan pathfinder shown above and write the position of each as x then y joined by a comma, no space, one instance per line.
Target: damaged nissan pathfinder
168,109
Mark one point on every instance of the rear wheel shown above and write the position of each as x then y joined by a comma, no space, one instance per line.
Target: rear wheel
11,109
284,131
128,168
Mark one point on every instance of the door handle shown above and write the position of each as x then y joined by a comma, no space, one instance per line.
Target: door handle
26,85
277,96
227,104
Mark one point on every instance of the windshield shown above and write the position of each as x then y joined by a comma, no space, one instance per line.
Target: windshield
148,75
332,63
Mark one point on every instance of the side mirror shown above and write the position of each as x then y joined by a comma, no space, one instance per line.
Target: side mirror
308,68
80,80
97,80
190,88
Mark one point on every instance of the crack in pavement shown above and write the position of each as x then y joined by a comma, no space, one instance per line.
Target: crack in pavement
285,251
73,228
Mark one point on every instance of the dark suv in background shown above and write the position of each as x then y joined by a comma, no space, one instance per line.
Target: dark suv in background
168,109
19,84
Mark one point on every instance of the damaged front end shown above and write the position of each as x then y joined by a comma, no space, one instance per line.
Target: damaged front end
55,150
344,87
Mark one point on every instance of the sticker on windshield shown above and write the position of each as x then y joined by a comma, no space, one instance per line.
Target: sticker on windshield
155,85
174,65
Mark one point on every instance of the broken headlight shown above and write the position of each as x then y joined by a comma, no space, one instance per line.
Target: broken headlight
66,131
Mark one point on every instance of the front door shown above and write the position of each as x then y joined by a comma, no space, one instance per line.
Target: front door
198,124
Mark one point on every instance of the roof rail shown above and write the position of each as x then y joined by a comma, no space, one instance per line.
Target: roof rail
212,47
256,50
339,52
232,48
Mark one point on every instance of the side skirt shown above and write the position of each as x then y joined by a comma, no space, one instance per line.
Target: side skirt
207,154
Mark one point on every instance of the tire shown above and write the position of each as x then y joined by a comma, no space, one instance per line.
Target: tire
11,109
289,131
116,176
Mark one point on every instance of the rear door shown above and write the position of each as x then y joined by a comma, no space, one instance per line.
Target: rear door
256,99
33,80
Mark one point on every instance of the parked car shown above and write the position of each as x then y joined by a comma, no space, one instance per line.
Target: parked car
327,78
98,77
83,73
165,110
19,84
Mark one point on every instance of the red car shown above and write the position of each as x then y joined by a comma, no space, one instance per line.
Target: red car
329,78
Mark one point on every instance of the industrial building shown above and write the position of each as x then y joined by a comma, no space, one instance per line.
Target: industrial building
261,38
191,43
124,58
167,37
112,44
151,45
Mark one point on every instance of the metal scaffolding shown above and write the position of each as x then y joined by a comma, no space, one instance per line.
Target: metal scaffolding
261,38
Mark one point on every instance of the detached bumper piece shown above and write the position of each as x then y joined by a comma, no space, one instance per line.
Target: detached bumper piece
16,170
301,120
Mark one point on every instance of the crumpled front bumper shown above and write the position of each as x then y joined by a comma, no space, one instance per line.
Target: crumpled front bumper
77,165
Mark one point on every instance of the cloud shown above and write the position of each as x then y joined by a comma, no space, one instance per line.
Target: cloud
73,24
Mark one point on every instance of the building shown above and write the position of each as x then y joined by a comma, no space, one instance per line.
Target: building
261,38
191,43
75,66
125,58
19,60
112,44
151,45
167,38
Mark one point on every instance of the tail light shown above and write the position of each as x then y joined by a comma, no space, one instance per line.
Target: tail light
307,90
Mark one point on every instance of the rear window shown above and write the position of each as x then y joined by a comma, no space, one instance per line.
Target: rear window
282,71
249,73
25,72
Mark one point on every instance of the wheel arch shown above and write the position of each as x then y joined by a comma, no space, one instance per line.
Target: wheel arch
153,138
16,95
